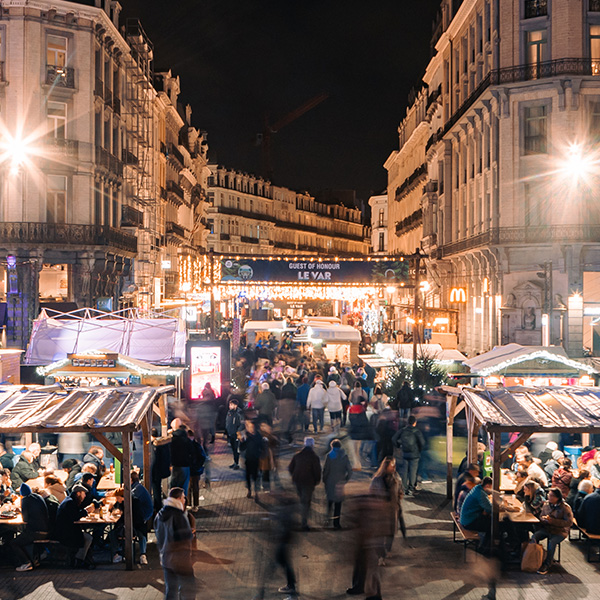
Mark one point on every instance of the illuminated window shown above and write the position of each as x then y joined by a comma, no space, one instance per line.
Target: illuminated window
56,51
595,48
57,120
535,130
536,51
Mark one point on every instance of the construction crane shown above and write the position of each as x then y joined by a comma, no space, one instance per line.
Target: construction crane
265,139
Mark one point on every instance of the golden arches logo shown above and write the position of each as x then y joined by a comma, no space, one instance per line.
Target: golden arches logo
458,295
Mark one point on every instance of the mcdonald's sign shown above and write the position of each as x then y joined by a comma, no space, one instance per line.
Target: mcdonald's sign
458,295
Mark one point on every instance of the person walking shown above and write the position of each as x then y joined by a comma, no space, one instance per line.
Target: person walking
335,399
337,471
181,456
412,441
404,401
199,458
316,403
360,431
305,469
174,541
251,443
266,403
387,486
161,467
234,423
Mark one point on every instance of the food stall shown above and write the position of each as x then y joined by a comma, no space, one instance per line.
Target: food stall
330,339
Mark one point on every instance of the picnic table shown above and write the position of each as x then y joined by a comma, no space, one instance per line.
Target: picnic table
107,482
515,511
507,482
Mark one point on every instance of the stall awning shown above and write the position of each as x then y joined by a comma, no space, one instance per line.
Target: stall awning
541,409
376,361
405,352
52,409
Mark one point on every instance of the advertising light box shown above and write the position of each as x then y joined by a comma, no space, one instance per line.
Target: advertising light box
208,362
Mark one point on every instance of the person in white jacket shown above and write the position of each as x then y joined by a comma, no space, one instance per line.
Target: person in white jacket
335,396
316,402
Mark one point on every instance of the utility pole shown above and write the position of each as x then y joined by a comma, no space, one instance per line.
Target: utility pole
417,299
212,295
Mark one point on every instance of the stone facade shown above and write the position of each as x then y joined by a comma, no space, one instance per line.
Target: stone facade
379,224
250,216
509,202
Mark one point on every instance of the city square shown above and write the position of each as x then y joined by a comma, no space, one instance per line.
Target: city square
299,300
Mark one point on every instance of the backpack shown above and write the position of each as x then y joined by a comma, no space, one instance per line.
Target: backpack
408,440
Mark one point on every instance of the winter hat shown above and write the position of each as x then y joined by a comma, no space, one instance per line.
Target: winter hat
332,370
332,384
265,386
552,446
78,488
24,490
69,463
309,442
557,455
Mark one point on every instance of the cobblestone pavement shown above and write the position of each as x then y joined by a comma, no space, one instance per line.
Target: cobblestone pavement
231,555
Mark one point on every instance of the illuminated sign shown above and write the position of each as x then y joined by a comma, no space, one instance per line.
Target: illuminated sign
458,295
205,367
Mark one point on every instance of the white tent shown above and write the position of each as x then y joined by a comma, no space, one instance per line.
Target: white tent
405,352
158,339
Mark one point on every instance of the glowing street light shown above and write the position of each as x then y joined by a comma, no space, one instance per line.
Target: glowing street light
577,166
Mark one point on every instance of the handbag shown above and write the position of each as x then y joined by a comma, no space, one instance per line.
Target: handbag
533,557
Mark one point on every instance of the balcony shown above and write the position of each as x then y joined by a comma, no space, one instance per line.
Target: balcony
131,217
594,6
108,96
411,182
176,190
536,8
109,162
175,229
63,234
249,240
129,158
99,88
116,105
62,147
224,237
411,222
284,245
174,154
60,76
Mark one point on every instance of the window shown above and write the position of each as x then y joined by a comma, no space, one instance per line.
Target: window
56,51
535,130
594,112
381,242
56,199
381,217
534,210
536,49
57,120
595,48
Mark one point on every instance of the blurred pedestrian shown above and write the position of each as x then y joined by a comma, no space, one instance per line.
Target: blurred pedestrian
412,442
234,423
174,541
266,403
305,469
335,399
336,473
181,456
251,444
316,404
161,467
199,458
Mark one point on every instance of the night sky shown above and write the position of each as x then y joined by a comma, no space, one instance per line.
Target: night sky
240,59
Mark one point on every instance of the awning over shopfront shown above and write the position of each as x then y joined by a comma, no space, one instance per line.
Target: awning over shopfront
514,360
159,340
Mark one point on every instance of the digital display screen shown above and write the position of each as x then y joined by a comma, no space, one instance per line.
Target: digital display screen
205,367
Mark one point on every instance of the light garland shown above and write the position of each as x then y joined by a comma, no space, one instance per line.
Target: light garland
195,273
542,354
298,292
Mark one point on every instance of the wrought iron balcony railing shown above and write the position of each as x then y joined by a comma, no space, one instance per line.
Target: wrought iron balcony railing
131,217
536,8
60,76
175,229
65,234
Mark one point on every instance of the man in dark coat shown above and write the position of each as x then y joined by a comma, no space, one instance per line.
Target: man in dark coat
161,466
412,441
174,541
73,468
35,517
181,456
305,469
95,455
234,423
588,516
24,470
404,400
68,533
336,473
252,444
6,458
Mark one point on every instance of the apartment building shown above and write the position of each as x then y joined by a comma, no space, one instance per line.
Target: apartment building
510,216
251,216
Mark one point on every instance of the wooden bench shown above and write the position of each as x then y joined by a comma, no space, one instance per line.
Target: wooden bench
591,539
467,538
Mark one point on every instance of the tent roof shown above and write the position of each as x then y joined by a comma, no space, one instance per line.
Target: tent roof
504,358
52,409
540,409
405,351
265,325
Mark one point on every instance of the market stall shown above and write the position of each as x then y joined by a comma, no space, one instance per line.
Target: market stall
107,368
333,340
97,411
514,364
261,330
519,410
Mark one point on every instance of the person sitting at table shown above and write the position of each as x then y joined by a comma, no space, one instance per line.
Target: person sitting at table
534,497
556,520
94,456
55,487
7,457
24,470
534,471
35,517
585,488
553,464
472,470
469,482
521,479
72,468
588,515
561,478
574,487
6,489
93,496
68,532
476,512
52,505
546,454
36,451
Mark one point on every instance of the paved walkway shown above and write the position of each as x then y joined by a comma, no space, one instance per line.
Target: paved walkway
231,546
